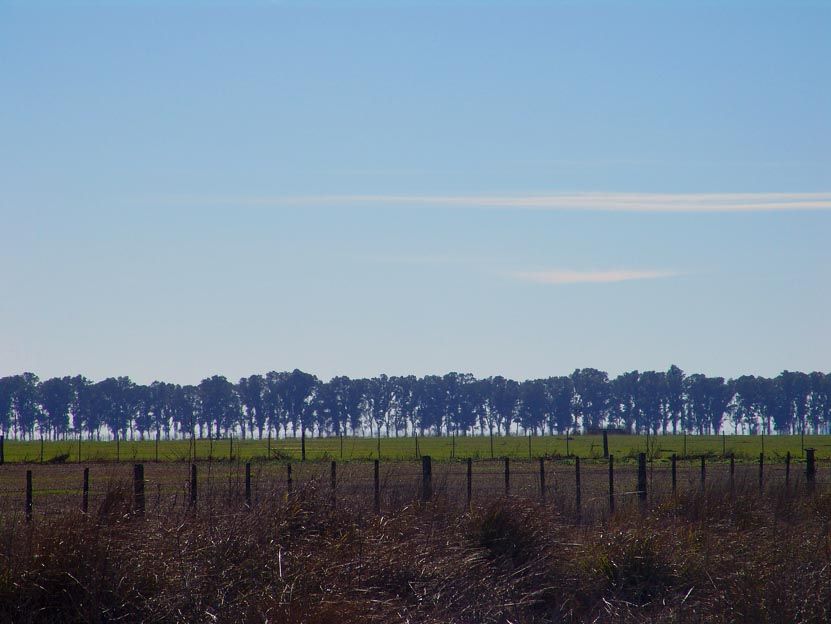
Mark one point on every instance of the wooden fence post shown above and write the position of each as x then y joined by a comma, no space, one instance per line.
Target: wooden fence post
605,443
469,482
248,484
611,484
194,485
787,470
542,479
28,496
810,467
761,472
79,446
288,478
334,480
426,478
642,478
577,498
138,489
2,449
507,476
674,474
117,447
302,443
230,448
157,445
703,472
85,492
732,471
377,486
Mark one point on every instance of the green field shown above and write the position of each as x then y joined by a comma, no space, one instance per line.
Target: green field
588,447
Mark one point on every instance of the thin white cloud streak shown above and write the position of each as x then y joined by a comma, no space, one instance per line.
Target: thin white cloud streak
564,276
589,202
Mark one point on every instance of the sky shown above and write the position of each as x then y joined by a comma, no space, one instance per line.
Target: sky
518,188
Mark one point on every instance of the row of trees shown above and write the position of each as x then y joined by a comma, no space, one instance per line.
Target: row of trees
284,404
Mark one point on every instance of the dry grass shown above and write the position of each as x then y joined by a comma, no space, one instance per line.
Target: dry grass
722,555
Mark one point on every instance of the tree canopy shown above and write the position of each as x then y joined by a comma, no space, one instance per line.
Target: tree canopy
287,403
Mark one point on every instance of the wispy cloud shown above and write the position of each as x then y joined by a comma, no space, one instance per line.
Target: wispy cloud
591,202
564,276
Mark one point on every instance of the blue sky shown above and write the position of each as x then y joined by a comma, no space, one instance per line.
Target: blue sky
193,188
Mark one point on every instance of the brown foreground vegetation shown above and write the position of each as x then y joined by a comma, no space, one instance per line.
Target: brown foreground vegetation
716,554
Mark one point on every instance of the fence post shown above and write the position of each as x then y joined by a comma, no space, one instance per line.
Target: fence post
377,485
787,470
605,443
138,488
674,474
426,478
230,448
577,500
810,468
2,449
248,484
117,447
80,435
703,472
469,482
542,479
642,478
193,485
157,445
288,478
28,496
611,484
334,480
507,476
85,492
761,472
732,470
302,443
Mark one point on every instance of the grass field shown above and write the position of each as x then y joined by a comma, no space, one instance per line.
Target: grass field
721,553
588,447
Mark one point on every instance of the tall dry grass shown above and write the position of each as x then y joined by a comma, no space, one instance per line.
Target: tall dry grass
718,555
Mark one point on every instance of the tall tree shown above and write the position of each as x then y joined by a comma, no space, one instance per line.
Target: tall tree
592,396
56,397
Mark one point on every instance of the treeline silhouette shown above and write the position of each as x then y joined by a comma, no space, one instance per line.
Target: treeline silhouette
285,404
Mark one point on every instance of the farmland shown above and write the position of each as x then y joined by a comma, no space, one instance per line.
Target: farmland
718,548
588,447
249,539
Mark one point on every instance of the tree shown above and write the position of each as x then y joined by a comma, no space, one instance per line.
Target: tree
652,400
675,396
560,396
26,403
56,397
533,402
592,396
7,385
252,395
503,399
220,404
297,391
